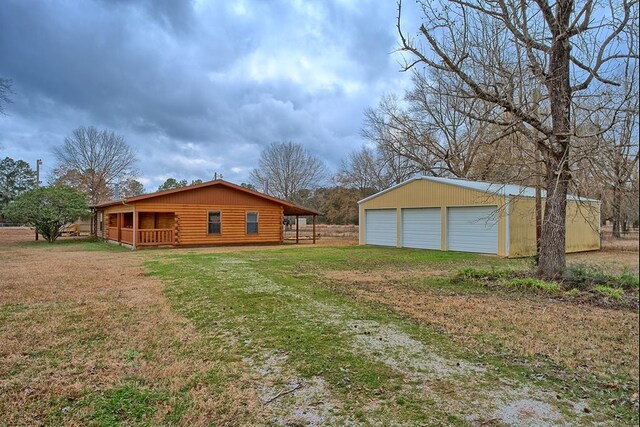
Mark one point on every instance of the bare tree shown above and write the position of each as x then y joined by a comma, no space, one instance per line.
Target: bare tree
82,182
443,134
286,168
5,90
501,51
365,170
93,161
618,164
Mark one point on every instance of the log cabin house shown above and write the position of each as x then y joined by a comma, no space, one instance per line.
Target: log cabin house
211,213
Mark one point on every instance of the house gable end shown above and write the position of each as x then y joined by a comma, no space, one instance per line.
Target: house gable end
211,195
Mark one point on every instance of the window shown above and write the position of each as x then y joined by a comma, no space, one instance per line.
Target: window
252,222
215,223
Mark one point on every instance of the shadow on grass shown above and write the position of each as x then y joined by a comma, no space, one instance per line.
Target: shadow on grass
89,244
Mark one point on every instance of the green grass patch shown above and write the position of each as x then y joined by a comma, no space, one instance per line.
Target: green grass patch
10,310
615,294
529,283
128,404
88,244
493,272
587,277
578,281
573,293
627,280
369,258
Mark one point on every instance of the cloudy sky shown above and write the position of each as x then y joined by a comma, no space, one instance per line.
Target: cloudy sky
195,87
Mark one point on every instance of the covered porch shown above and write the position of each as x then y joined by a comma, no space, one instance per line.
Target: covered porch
142,228
291,223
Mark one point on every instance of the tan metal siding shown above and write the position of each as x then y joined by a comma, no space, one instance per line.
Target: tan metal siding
428,194
583,226
583,232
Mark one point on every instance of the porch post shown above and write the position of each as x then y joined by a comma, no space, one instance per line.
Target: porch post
135,228
297,230
314,229
119,227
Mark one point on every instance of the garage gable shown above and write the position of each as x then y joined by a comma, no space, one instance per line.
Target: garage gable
427,193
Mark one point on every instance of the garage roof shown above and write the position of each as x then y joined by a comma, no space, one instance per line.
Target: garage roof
484,187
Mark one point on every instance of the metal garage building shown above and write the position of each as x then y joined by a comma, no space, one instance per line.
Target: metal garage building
469,216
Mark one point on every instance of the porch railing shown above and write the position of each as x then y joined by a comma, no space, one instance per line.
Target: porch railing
112,233
155,236
126,235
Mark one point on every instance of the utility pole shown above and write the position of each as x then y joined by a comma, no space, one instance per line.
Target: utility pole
38,163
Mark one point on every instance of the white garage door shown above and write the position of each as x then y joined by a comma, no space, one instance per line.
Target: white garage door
473,229
421,228
380,227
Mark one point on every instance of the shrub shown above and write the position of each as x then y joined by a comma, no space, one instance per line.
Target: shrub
573,292
534,284
483,273
626,280
48,209
588,277
473,273
609,292
585,276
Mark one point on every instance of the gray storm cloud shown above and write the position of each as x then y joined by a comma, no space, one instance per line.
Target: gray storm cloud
195,87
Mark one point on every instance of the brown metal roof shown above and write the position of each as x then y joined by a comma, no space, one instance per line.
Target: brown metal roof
289,208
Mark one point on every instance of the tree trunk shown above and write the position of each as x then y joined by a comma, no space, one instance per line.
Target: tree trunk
551,261
617,211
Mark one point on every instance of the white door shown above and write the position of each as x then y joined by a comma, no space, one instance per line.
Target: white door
421,228
473,229
380,227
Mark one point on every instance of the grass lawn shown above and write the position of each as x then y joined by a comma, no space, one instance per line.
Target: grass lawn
299,336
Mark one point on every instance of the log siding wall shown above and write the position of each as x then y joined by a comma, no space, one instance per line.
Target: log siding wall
193,222
187,213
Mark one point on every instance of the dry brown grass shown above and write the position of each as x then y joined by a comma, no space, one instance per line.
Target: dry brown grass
628,242
70,321
612,262
591,338
326,232
10,235
616,256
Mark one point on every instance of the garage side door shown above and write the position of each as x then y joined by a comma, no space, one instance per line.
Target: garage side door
380,227
473,229
421,228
